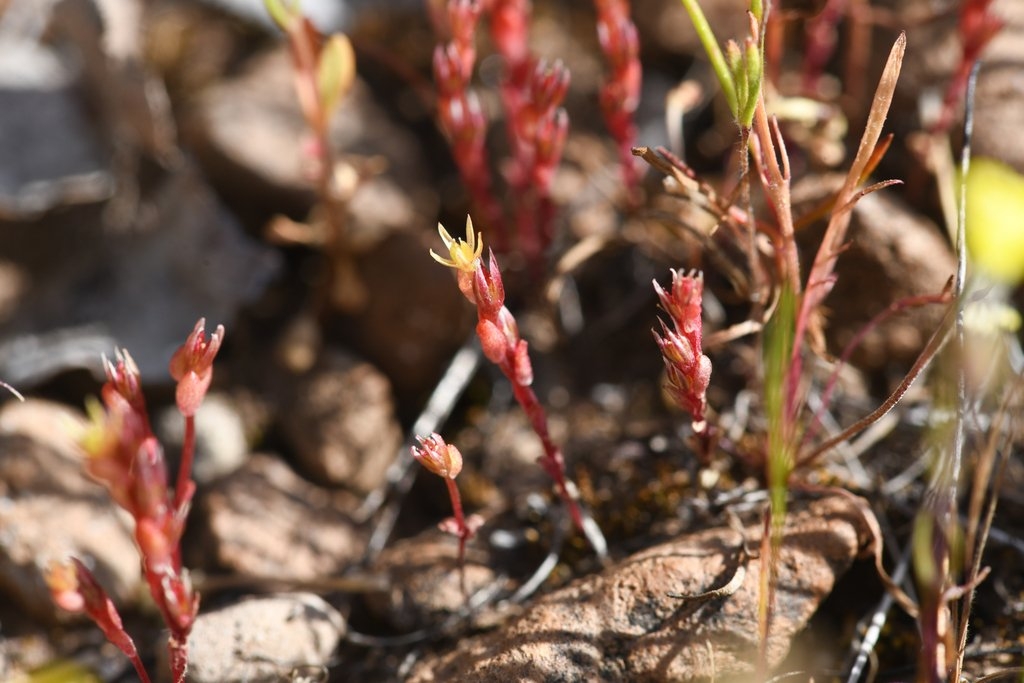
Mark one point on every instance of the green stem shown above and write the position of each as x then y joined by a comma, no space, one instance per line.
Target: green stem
714,52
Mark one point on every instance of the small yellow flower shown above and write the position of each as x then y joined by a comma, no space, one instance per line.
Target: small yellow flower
465,255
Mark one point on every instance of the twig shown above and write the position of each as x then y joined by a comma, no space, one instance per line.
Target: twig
877,621
931,348
482,597
547,566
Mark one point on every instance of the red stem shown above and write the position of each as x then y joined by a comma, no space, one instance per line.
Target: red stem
188,449
552,461
139,669
460,519
178,651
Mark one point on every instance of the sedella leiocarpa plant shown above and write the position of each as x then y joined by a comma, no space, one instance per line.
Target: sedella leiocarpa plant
499,337
123,455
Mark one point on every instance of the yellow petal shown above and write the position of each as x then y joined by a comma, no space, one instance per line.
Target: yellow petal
995,219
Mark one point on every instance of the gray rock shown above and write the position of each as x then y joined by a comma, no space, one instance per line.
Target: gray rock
424,583
249,132
142,290
52,155
271,638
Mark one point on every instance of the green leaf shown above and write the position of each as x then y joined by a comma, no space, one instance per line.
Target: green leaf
283,12
62,671
714,52
782,438
335,72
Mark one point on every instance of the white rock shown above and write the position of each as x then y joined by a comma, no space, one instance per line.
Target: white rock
263,639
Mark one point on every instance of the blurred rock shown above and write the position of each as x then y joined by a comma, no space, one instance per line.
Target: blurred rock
221,445
622,624
893,253
142,290
341,422
249,133
415,318
665,26
263,640
933,54
262,520
52,152
50,510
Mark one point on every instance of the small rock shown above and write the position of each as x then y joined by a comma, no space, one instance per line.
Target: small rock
39,452
666,28
424,579
415,318
622,624
263,520
42,528
263,639
220,437
341,423
934,55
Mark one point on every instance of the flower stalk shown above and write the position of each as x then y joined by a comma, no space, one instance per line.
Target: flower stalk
620,94
499,337
445,461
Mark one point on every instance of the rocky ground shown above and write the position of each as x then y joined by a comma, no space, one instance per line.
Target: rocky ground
152,174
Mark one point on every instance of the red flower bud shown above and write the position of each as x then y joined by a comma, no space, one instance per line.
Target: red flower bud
522,368
440,458
688,371
75,589
192,367
488,289
124,378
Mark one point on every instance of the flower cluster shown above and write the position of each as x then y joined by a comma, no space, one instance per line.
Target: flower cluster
620,94
458,106
539,130
688,370
123,454
532,92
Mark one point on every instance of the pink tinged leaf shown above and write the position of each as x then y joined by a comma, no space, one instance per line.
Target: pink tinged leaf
180,601
94,601
489,289
492,341
150,479
522,367
154,545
